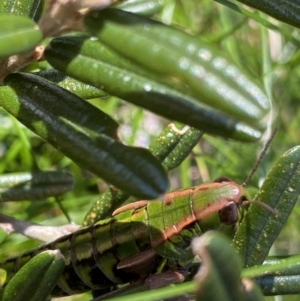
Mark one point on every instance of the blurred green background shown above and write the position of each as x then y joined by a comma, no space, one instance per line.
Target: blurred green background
271,55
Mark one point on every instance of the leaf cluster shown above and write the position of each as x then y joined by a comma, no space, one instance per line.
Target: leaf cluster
127,69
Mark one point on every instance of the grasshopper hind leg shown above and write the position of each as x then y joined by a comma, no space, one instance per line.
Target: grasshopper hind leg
165,278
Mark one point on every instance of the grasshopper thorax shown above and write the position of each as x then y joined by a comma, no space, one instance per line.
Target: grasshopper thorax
229,213
223,196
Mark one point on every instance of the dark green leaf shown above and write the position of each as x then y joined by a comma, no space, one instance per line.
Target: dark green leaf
287,11
47,267
83,133
260,227
117,76
34,186
211,77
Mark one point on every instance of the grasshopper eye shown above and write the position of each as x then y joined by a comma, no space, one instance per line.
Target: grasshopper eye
229,214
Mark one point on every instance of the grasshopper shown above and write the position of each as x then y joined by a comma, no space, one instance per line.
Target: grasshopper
140,237
137,238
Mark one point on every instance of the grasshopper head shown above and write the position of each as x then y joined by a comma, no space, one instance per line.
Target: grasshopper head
229,214
217,203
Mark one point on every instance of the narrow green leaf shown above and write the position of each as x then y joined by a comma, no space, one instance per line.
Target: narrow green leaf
61,103
275,265
34,186
117,76
279,285
17,35
83,133
36,279
105,205
279,275
164,144
212,78
183,148
260,227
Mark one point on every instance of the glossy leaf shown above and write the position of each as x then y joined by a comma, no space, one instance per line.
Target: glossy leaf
184,146
17,35
118,76
279,285
106,203
211,77
260,227
281,276
62,103
275,265
83,133
34,186
36,279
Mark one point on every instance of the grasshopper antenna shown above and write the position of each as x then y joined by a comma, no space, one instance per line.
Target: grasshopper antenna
262,204
261,156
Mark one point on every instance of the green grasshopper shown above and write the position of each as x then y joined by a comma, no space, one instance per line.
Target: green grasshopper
138,238
141,237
